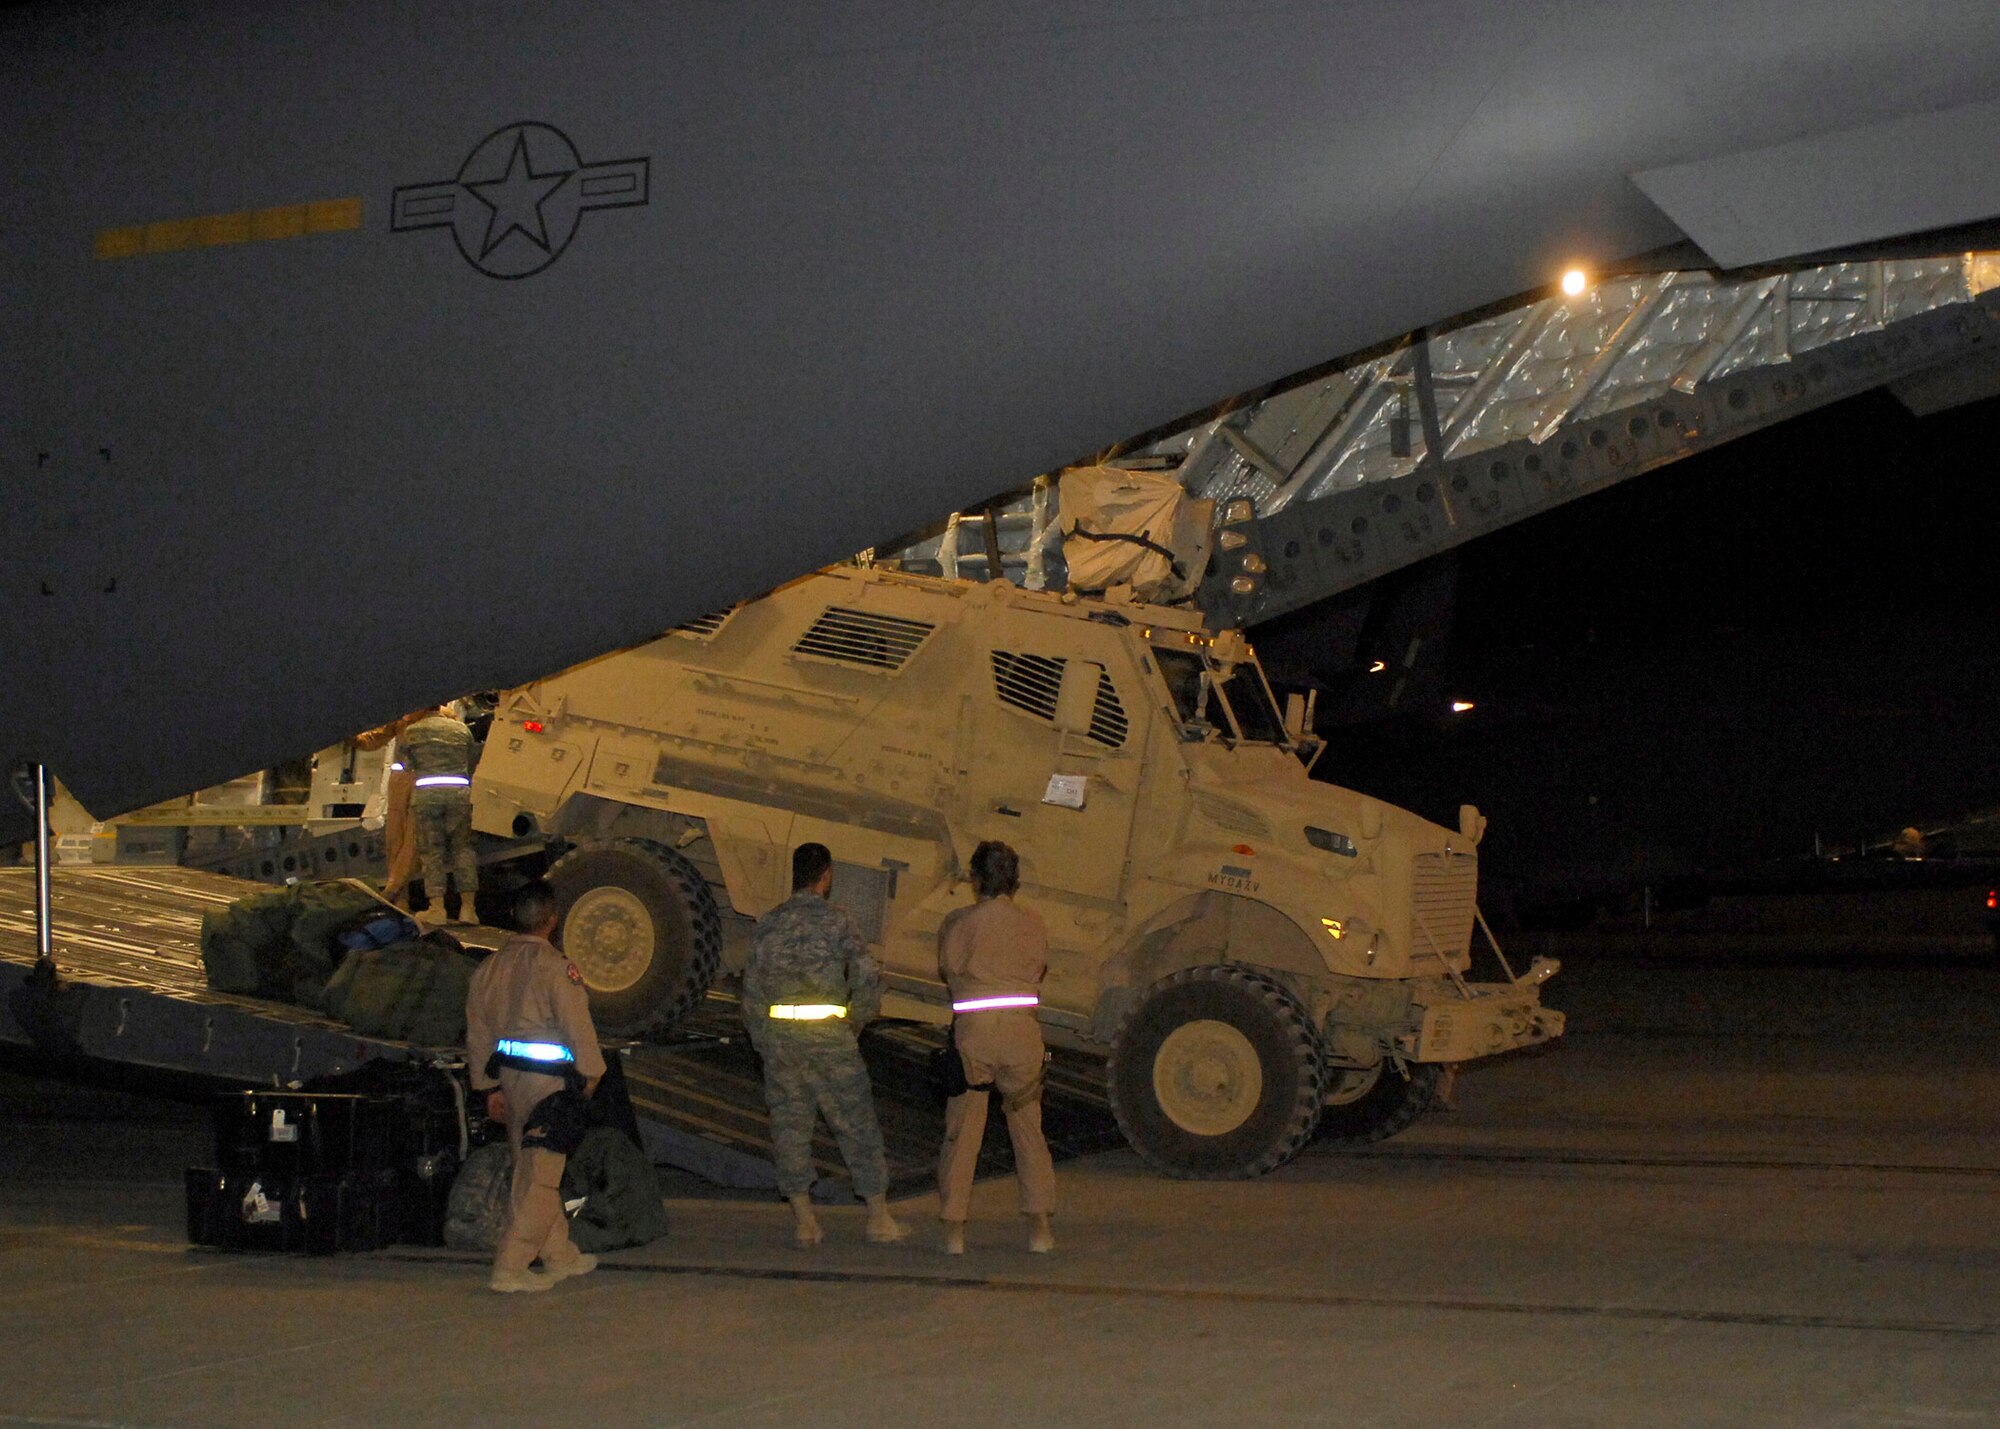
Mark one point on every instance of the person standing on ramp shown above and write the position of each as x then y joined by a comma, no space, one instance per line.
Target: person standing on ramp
808,990
439,750
992,957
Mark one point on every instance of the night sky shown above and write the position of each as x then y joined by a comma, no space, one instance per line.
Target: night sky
1794,634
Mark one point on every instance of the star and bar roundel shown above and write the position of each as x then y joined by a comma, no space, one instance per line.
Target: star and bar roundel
518,198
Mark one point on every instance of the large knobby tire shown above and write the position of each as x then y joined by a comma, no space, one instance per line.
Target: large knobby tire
1216,1075
1374,1103
639,922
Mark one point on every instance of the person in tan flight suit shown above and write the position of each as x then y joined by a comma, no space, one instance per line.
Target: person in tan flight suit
527,1018
399,840
993,957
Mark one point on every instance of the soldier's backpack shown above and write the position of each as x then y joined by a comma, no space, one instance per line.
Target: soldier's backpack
477,1206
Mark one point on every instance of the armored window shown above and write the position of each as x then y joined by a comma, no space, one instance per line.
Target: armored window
862,637
704,627
1032,682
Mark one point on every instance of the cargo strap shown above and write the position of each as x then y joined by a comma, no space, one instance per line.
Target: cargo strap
443,781
806,1011
989,1004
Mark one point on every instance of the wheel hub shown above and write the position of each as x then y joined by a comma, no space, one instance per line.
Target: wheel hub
609,935
1351,1084
1208,1077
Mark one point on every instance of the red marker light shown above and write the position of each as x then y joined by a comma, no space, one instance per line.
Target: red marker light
1992,898
533,726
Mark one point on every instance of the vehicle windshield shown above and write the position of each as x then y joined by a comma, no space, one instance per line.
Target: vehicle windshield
1233,704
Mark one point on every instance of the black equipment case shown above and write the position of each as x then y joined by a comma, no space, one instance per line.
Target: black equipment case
315,1172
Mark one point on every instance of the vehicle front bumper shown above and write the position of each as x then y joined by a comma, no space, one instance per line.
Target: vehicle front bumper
1471,1020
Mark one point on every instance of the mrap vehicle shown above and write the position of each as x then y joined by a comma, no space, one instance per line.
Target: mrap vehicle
1258,955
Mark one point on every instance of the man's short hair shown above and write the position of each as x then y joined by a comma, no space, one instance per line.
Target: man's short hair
809,861
996,870
532,905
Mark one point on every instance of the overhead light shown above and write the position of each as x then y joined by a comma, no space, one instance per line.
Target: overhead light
1460,706
1575,281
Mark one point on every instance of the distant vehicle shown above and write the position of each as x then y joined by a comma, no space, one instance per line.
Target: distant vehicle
1258,955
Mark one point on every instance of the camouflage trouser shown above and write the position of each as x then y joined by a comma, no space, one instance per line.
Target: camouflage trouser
809,1073
444,843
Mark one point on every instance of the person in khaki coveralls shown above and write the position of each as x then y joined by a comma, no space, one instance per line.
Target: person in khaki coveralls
399,840
993,957
527,992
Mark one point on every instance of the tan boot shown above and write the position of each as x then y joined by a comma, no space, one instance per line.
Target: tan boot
806,1232
509,1282
1041,1235
883,1228
954,1237
581,1264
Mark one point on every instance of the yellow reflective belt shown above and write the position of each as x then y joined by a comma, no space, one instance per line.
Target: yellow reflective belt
807,1011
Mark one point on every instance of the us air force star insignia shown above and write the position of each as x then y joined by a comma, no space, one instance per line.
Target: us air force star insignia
518,198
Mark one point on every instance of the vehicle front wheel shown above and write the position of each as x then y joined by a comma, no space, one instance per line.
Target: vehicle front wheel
1372,1104
640,923
1216,1075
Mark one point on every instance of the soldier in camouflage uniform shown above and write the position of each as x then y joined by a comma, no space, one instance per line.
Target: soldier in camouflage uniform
438,750
809,988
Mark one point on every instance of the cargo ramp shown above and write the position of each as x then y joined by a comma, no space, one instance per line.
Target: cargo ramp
130,989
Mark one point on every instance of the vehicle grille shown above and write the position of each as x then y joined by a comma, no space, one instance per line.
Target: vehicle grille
1445,888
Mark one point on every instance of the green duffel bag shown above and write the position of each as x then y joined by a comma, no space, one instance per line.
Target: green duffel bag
621,1201
411,992
623,1204
325,911
247,947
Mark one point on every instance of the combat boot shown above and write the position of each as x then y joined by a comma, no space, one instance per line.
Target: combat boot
581,1264
806,1232
508,1282
883,1228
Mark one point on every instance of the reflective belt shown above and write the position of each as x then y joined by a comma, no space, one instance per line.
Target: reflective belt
987,1004
553,1053
807,1011
443,781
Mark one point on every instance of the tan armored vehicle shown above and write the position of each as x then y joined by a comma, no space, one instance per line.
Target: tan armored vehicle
1257,954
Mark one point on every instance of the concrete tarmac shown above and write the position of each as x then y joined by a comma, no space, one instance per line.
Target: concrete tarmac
1743,1192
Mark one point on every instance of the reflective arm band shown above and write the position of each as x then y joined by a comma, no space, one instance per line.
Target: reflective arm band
806,1011
452,781
987,1004
552,1052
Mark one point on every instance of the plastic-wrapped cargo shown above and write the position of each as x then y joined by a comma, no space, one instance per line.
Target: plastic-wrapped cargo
1133,531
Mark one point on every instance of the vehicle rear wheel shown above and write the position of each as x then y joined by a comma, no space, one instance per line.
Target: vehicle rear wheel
1371,1104
640,923
1216,1075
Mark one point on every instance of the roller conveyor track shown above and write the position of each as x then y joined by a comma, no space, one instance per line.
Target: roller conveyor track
127,944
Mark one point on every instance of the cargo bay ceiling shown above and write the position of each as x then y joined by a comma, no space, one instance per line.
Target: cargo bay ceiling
351,357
